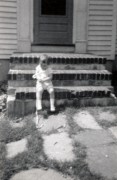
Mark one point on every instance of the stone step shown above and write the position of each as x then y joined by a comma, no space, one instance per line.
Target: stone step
63,74
60,66
58,61
62,78
18,107
79,79
21,101
63,92
57,58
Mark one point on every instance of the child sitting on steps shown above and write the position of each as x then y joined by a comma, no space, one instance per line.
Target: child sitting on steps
44,81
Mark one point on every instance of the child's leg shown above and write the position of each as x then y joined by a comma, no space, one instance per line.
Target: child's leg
38,118
52,99
39,99
39,92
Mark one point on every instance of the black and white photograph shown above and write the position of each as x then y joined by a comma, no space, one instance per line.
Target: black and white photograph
58,89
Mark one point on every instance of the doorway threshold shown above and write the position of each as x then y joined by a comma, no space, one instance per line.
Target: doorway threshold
53,48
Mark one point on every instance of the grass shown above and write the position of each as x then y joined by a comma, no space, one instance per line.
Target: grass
107,125
26,160
2,159
9,134
73,127
96,111
35,156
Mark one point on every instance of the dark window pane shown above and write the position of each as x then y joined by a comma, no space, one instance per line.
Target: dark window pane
53,7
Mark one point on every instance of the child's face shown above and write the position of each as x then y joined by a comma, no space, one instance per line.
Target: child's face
44,64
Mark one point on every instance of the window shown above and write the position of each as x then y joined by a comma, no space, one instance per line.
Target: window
53,7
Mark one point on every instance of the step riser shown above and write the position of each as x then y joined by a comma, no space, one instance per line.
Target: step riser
65,95
20,107
32,83
62,92
60,67
69,59
65,77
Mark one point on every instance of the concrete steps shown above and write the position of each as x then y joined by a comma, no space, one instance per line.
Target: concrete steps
79,78
62,78
64,92
59,61
67,58
32,66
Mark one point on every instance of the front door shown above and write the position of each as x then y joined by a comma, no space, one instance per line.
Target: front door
53,22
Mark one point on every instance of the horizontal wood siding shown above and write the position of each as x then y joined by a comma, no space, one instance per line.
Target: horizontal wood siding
116,46
8,28
116,31
100,27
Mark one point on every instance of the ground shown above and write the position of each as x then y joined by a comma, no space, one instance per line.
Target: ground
75,144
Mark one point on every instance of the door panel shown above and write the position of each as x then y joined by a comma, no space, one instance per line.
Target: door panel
53,21
56,27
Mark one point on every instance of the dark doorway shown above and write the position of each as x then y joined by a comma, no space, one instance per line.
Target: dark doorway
53,22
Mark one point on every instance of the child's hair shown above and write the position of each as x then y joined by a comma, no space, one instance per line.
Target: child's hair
43,58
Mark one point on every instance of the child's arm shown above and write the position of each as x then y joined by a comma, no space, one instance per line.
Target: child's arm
36,75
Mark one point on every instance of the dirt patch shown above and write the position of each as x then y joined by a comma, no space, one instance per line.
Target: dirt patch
54,122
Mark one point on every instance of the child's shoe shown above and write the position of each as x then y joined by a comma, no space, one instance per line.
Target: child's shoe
45,114
113,96
52,109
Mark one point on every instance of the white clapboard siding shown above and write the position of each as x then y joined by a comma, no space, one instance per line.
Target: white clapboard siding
100,27
8,28
116,32
116,45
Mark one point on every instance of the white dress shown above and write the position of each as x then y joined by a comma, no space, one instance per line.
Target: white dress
43,78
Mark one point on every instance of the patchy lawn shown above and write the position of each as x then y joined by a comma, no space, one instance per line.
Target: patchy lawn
36,157
105,116
9,134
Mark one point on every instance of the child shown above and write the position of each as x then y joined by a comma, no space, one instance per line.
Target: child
44,76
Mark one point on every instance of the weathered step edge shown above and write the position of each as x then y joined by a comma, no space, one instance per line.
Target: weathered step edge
63,92
21,101
63,74
30,83
58,58
25,107
60,66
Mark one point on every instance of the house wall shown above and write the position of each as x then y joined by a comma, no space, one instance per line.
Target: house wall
94,26
8,34
100,31
8,28
101,37
25,35
116,46
116,30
